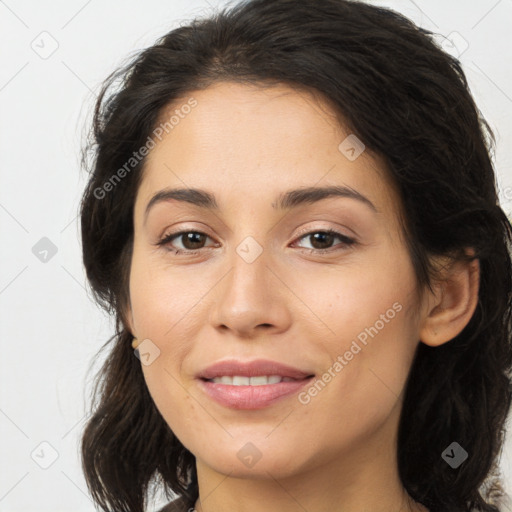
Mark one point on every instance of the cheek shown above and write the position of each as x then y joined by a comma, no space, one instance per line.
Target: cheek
184,415
162,297
373,338
164,304
368,303
370,362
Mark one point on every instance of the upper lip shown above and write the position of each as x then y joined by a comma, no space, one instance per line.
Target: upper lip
251,369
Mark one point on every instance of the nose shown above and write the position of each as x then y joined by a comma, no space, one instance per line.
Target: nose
252,298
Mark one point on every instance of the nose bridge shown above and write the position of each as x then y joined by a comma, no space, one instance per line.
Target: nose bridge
250,268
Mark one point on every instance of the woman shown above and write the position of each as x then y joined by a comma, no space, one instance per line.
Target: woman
366,370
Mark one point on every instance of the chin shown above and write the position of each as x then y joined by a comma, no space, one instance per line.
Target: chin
263,470
258,460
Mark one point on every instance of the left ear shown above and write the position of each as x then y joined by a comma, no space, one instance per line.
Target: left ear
452,305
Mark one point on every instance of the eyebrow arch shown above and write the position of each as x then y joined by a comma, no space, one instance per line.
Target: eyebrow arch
300,196
285,201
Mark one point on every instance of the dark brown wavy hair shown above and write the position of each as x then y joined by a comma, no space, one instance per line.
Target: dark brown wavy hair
391,84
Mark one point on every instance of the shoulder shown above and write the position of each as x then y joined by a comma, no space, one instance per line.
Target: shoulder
177,505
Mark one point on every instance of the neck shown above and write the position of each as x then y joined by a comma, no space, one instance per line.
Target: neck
313,493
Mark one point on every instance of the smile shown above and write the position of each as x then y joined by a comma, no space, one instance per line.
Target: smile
259,380
252,384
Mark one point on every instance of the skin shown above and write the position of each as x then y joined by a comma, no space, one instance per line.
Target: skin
247,145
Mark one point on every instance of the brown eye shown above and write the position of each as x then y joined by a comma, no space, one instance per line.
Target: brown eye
321,241
190,240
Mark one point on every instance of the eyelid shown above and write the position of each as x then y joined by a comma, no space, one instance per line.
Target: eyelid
186,228
339,229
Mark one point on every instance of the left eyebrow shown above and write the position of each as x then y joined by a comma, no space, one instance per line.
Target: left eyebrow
300,196
285,201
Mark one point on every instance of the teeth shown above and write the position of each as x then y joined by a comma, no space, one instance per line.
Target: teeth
240,381
260,380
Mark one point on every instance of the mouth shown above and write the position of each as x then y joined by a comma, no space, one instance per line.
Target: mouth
242,380
251,385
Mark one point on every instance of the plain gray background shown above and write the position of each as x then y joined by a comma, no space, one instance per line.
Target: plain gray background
54,56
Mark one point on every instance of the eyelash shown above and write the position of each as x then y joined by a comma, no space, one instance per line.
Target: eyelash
346,241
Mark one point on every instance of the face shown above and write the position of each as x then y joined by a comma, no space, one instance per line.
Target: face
324,287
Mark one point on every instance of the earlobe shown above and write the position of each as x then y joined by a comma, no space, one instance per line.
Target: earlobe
453,304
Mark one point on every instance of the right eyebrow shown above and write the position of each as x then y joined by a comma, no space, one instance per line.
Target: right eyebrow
194,196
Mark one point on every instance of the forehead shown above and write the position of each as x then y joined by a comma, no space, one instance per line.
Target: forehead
257,142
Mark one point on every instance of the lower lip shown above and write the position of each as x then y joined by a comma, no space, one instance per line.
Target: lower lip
251,397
